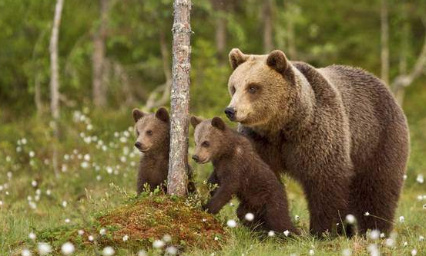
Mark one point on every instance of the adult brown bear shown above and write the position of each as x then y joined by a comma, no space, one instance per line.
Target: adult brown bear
337,130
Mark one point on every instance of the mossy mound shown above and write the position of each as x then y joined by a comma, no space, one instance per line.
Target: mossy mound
141,222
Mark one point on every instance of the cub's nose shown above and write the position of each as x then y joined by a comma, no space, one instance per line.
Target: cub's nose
138,145
196,158
230,113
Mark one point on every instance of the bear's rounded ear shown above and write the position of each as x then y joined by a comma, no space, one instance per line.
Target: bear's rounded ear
137,114
236,58
195,121
278,61
162,114
218,123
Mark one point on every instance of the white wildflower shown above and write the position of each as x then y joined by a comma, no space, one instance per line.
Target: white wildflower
125,238
346,252
231,223
80,232
26,252
249,216
420,179
31,154
34,183
414,252
350,219
366,214
311,252
373,250
108,251
171,250
102,231
67,248
271,233
157,244
286,232
44,248
32,236
142,253
167,238
375,234
401,219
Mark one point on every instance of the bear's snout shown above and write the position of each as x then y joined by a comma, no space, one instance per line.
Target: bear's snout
196,158
230,113
138,145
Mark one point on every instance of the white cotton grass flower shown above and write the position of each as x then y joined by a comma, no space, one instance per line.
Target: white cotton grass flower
311,252
296,217
157,244
31,154
286,232
67,220
32,236
84,165
44,248
34,183
102,231
401,219
91,238
271,233
414,252
142,253
64,204
249,216
108,251
87,157
366,214
80,232
26,252
405,243
231,223
421,238
373,250
171,250
167,238
216,238
374,234
420,179
350,219
1,203
125,238
67,248
347,252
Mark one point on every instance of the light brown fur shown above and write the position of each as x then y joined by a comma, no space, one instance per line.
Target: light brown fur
337,130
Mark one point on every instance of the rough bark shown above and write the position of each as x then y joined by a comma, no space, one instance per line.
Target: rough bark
291,36
178,162
54,66
384,41
267,26
98,58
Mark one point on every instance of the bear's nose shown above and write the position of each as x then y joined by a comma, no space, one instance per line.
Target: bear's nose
196,158
138,145
230,113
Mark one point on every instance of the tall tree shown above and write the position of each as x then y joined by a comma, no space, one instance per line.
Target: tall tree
268,44
178,163
384,21
54,78
98,58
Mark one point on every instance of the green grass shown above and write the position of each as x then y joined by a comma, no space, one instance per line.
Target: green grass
95,182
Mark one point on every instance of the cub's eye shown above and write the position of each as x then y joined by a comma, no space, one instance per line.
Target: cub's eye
205,144
252,89
149,132
232,90
137,133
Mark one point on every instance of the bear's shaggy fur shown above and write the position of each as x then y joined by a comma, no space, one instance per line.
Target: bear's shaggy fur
238,170
153,140
337,130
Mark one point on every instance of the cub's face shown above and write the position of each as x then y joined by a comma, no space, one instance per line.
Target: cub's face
257,86
152,130
208,137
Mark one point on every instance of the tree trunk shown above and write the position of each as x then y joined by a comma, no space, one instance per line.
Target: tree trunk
291,37
267,26
400,92
54,66
384,41
178,162
98,58
37,95
221,37
54,79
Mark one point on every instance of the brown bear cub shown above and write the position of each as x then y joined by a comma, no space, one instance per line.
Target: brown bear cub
153,139
238,170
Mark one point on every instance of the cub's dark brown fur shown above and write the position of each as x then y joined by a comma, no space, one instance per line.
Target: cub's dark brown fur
153,139
337,130
238,170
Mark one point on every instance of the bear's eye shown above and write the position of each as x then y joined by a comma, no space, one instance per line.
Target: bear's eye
137,133
205,144
252,89
232,90
149,132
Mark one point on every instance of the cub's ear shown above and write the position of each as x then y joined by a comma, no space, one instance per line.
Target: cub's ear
236,58
163,115
278,61
218,123
195,121
137,114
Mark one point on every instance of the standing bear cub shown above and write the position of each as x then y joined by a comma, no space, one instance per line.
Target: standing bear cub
153,140
238,170
337,130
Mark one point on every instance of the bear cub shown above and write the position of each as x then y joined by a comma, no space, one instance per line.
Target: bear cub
153,140
239,171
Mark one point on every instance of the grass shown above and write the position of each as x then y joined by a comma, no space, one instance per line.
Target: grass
95,189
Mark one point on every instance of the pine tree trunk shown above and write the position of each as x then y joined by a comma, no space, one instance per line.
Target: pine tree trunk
267,26
221,36
178,162
384,41
99,89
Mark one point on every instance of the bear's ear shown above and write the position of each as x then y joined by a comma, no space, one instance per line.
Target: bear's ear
278,61
195,121
162,114
137,114
236,58
218,123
